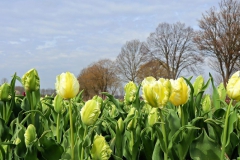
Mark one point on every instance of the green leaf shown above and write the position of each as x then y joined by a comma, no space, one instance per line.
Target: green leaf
230,127
203,147
172,123
234,141
4,130
115,102
215,95
148,145
157,152
51,150
21,149
217,129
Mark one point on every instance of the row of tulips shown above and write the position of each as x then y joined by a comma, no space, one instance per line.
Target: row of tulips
176,119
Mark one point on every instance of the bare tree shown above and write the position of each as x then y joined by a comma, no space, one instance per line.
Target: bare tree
133,55
152,68
172,45
219,37
99,77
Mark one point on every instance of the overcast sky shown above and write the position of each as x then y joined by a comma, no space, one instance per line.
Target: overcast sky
68,35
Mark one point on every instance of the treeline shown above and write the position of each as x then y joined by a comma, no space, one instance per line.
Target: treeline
20,91
172,50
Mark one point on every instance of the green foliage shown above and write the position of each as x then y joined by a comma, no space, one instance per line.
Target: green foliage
195,130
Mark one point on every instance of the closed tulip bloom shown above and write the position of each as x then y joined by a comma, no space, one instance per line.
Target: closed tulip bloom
90,111
5,92
130,92
233,86
156,93
31,80
58,103
206,103
67,85
198,84
180,92
100,148
222,92
30,135
153,117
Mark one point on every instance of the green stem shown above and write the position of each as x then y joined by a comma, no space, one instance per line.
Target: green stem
225,130
182,116
32,108
84,135
4,111
71,130
58,130
164,135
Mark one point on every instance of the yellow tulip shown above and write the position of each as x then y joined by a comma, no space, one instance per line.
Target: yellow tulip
130,92
100,148
91,110
180,92
67,85
233,86
31,80
156,93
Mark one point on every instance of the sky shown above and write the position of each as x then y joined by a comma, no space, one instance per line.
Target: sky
56,36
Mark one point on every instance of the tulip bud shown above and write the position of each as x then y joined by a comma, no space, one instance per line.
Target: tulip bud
233,86
120,125
30,135
91,111
130,92
198,84
133,123
206,103
222,92
153,117
67,85
180,92
31,80
17,141
100,148
58,103
5,92
156,93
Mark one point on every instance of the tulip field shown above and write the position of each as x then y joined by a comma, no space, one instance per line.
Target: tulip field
159,119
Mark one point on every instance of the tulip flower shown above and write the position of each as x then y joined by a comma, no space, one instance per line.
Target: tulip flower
100,149
91,110
233,86
31,80
153,117
222,92
198,84
156,93
58,104
133,123
130,92
67,85
206,103
5,92
180,92
120,125
30,135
